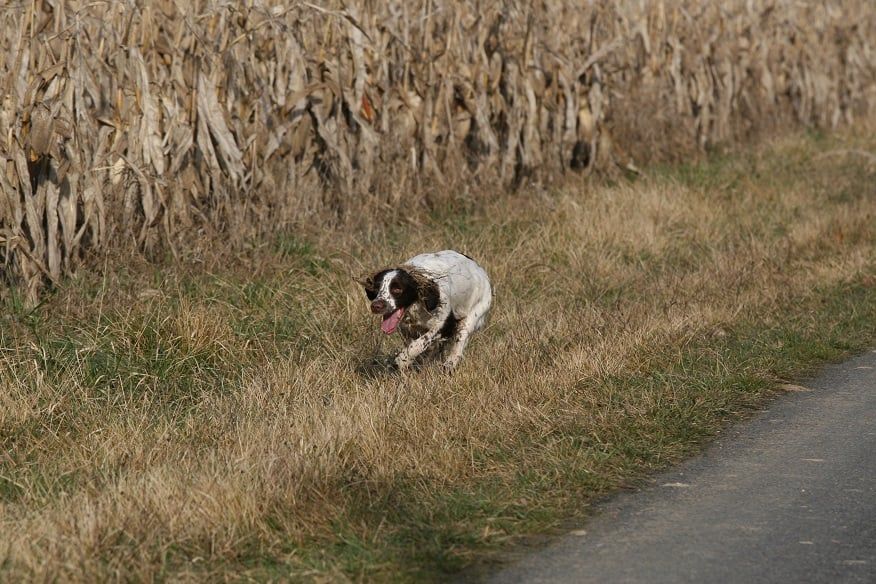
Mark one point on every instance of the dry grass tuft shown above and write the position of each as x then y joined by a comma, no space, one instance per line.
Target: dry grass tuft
227,423
157,123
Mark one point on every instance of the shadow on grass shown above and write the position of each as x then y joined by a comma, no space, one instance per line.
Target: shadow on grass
376,367
382,366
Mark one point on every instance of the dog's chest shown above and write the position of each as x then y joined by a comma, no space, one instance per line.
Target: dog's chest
416,321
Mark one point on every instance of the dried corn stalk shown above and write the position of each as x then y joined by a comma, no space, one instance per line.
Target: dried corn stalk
143,121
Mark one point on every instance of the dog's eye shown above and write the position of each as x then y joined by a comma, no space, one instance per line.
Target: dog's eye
395,290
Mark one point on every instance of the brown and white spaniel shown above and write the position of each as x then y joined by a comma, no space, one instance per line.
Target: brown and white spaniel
433,299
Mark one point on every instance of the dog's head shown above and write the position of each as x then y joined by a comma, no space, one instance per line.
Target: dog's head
393,291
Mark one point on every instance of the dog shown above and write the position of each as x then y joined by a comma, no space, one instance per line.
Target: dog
435,300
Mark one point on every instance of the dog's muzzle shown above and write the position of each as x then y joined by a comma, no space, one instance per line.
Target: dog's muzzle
378,306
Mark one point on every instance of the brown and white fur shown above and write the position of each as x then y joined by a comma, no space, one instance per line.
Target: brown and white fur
432,299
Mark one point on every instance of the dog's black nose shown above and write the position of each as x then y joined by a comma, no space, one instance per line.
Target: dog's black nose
378,306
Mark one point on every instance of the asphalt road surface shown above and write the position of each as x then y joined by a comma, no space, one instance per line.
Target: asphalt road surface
789,496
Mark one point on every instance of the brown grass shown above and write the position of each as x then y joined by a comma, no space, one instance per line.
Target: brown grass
228,422
155,124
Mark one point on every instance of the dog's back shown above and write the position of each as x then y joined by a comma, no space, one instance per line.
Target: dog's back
463,283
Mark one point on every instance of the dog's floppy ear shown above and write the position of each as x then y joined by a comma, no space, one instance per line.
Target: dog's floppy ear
365,281
429,295
427,290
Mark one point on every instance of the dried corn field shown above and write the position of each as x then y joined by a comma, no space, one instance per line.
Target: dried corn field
157,123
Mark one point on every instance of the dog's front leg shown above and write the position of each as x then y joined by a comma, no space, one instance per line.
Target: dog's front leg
416,348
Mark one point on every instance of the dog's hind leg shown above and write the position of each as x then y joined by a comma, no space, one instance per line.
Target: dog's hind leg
466,327
456,348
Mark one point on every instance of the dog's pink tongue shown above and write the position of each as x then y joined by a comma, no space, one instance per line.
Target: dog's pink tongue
390,322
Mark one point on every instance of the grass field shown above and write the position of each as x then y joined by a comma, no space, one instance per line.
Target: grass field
221,418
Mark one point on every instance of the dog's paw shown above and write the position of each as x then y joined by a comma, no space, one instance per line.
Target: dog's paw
403,362
450,364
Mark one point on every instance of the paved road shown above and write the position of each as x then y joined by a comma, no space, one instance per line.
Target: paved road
789,497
